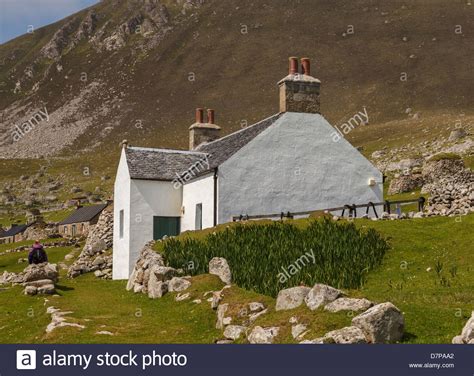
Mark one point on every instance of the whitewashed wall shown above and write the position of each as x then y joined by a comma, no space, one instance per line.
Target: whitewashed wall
198,191
295,165
121,257
149,198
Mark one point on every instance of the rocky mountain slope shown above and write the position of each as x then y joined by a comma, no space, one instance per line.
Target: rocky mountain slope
137,69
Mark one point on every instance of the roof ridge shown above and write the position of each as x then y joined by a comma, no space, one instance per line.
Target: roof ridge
170,151
240,130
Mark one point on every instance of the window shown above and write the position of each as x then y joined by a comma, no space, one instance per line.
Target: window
65,229
73,230
198,217
121,224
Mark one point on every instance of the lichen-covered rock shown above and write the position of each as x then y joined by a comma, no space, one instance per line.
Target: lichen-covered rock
234,332
260,335
383,323
219,266
348,304
178,284
347,335
320,295
156,287
291,298
36,272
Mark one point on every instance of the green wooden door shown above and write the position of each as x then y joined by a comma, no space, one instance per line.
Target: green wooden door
165,226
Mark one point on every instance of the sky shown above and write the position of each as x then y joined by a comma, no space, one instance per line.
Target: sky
17,15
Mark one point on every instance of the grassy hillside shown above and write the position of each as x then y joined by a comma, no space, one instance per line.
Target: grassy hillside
230,52
436,303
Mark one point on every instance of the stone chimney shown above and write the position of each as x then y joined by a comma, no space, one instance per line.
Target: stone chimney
299,91
201,132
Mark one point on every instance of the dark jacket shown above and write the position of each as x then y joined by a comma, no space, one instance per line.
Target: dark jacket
37,255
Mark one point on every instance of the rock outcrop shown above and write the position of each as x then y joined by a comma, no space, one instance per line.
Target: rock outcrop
320,295
219,266
383,323
348,304
260,335
291,298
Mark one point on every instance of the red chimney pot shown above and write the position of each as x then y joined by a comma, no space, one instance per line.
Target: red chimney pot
305,63
210,116
199,115
293,65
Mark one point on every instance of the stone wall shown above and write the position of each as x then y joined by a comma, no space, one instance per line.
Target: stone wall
93,257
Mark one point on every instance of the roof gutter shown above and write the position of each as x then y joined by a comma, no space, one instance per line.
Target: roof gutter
215,196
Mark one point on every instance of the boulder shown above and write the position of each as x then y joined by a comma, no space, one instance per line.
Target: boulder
219,266
347,335
261,335
162,273
467,333
320,295
234,332
31,290
156,287
41,271
47,289
178,284
383,323
291,298
40,283
348,304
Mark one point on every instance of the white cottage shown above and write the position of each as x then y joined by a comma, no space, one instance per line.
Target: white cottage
290,161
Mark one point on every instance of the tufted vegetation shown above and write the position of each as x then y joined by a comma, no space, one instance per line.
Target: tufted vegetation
267,258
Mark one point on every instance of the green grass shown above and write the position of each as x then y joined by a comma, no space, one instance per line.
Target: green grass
10,263
436,305
435,311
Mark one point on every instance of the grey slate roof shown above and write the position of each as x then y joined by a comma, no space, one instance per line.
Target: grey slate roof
159,164
15,230
84,214
166,164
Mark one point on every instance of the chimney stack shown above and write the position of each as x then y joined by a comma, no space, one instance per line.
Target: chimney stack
200,132
199,115
293,65
299,92
306,66
210,116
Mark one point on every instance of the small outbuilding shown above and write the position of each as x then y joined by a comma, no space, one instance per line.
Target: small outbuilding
79,222
13,234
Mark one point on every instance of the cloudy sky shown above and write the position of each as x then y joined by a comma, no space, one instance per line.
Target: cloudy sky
17,15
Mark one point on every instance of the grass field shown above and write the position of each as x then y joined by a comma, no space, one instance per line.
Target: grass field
436,303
